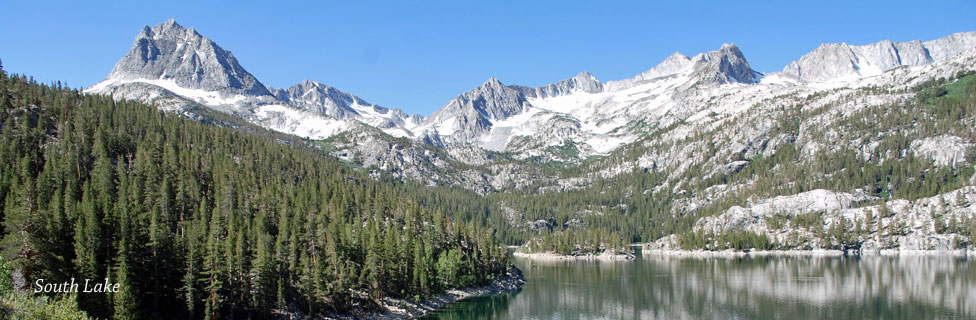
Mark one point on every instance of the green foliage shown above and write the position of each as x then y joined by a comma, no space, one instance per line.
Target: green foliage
736,240
200,221
448,265
578,242
808,220
931,91
841,233
776,222
15,304
566,150
6,279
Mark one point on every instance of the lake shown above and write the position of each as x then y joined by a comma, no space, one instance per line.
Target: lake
661,287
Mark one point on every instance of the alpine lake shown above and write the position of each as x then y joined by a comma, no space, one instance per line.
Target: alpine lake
745,287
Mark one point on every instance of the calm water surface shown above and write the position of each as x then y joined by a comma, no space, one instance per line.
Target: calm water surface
656,287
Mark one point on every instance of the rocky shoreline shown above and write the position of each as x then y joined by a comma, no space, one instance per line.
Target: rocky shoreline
652,252
813,252
392,308
553,257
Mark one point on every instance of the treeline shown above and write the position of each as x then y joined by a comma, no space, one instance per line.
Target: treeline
578,242
621,205
736,240
199,221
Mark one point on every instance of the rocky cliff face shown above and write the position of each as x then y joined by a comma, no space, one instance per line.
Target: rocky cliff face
840,60
472,113
947,48
727,65
169,51
944,150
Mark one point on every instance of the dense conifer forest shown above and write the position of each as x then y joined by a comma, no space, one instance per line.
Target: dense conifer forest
201,221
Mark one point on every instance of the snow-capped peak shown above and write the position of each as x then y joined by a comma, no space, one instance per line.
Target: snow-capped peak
671,65
170,61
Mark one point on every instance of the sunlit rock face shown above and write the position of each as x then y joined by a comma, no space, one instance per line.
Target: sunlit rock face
833,61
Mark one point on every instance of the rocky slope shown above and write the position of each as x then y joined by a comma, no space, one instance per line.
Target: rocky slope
321,99
804,221
715,131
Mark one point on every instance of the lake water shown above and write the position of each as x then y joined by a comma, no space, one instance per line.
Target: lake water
658,287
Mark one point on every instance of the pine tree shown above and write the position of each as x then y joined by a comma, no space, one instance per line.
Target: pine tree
88,242
373,270
125,302
265,284
213,266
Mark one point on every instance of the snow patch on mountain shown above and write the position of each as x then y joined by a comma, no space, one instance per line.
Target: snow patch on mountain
298,122
569,119
210,98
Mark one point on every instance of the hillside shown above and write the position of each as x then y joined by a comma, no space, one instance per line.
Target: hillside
194,220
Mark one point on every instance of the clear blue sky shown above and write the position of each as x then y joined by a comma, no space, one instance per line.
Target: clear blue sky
417,56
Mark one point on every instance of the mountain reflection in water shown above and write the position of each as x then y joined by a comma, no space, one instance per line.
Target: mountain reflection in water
662,287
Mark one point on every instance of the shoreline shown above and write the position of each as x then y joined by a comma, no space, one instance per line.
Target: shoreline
392,308
804,253
729,253
555,257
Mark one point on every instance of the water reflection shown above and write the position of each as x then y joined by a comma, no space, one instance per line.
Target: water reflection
659,287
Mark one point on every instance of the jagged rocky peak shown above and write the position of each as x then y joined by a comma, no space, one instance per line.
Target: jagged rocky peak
843,61
726,65
492,99
168,51
839,60
320,98
828,61
471,114
324,99
581,82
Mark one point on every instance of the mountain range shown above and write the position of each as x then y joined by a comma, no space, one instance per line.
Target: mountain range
567,121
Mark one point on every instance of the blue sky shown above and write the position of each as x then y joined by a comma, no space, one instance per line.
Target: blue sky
417,56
